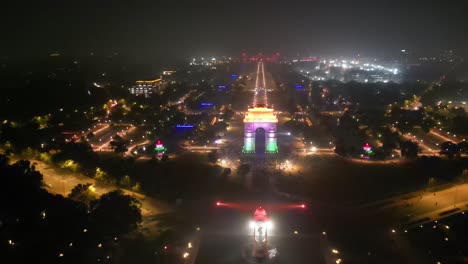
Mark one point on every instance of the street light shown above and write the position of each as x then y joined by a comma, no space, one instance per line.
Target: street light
92,188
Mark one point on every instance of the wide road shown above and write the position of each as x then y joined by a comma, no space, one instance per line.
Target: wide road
225,230
408,209
218,249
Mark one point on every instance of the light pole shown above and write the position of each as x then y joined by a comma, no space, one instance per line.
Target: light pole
185,256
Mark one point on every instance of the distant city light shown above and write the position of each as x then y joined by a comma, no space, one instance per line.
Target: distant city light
185,126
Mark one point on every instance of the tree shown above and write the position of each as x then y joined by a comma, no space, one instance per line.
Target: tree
70,165
243,169
102,176
90,136
120,148
220,127
450,149
213,156
125,181
463,146
348,137
119,145
60,225
389,140
379,154
83,193
117,137
409,149
4,161
21,136
79,152
427,124
115,213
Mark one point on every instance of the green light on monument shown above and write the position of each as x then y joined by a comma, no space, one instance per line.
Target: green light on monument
249,146
272,148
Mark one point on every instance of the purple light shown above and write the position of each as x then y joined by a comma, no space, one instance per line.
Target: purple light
367,147
184,126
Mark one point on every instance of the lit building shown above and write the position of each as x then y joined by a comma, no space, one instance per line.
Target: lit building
146,88
168,72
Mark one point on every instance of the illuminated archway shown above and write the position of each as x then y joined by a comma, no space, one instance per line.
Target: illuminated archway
260,116
260,144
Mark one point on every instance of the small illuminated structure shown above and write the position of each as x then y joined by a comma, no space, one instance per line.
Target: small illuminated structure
260,226
168,72
160,149
367,150
260,116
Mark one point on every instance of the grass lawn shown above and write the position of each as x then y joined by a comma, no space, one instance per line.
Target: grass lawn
342,181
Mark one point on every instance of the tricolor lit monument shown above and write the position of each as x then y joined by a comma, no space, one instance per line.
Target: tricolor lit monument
260,117
160,149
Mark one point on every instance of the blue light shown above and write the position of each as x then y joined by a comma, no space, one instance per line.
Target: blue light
298,86
222,86
184,126
206,104
234,76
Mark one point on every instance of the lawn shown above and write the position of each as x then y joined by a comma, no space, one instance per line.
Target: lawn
343,181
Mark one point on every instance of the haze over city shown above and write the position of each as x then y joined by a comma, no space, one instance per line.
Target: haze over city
167,30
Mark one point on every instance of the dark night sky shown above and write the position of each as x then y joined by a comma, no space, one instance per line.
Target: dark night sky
176,29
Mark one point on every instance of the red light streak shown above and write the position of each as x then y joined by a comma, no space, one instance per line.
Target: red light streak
274,207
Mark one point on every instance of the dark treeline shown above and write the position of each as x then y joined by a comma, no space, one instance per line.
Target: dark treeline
36,226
